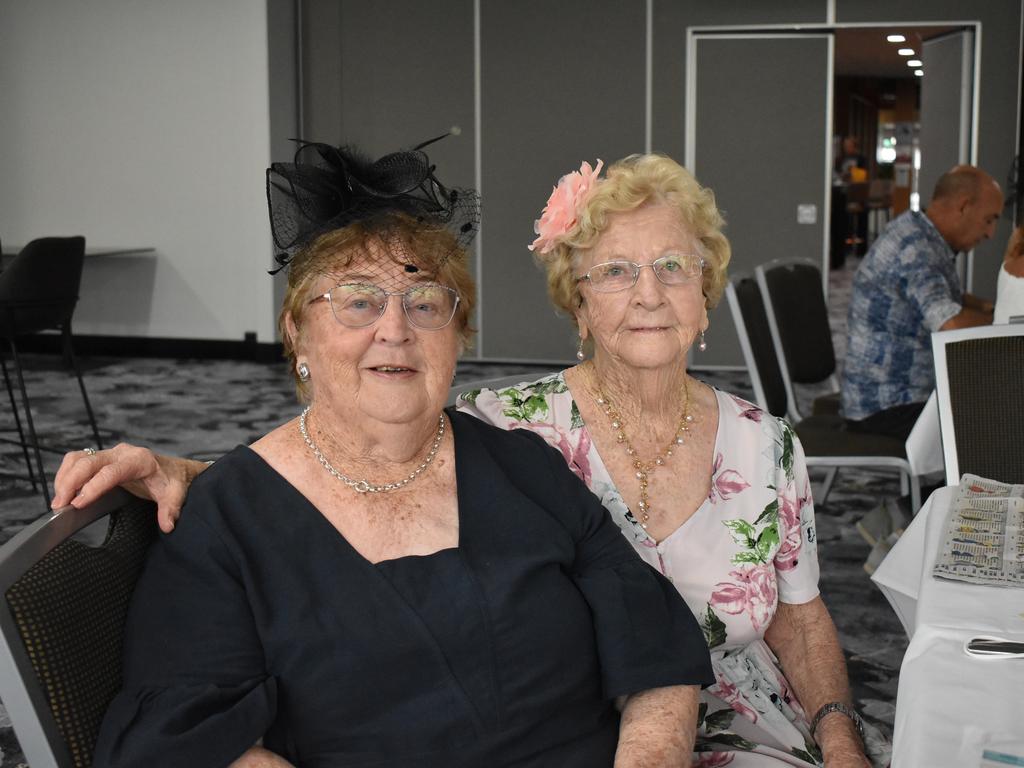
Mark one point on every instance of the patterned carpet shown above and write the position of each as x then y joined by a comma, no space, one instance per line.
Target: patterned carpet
203,408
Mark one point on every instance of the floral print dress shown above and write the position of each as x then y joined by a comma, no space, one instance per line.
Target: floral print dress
749,545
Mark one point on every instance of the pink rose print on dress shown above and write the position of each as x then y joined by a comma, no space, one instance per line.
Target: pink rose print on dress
575,456
724,484
559,215
712,759
748,410
730,694
752,592
787,557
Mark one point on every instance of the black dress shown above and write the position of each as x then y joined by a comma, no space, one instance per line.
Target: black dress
256,618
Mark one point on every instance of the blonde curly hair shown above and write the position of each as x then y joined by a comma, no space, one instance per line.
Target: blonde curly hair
630,183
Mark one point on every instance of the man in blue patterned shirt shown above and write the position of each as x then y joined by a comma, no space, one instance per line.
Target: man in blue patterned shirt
906,288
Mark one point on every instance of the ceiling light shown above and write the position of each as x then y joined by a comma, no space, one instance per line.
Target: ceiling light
906,51
919,72
914,63
896,39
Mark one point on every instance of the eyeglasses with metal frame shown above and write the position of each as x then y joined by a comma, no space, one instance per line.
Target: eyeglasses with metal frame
428,306
673,269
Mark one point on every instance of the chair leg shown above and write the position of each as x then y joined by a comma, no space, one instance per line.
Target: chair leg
826,485
33,438
17,424
904,483
70,355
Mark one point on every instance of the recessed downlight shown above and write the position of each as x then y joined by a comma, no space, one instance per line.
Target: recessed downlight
914,63
896,39
906,51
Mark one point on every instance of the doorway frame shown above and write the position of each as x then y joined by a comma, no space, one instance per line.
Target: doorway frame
754,31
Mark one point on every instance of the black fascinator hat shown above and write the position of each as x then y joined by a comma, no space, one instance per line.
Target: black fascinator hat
327,188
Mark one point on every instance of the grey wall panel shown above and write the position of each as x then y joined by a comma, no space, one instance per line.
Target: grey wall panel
553,94
943,100
761,145
282,63
671,19
999,95
390,75
407,75
321,69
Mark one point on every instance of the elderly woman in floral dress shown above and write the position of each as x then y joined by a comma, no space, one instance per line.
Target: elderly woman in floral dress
709,489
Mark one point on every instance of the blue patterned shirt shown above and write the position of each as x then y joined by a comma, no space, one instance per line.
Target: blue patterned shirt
906,287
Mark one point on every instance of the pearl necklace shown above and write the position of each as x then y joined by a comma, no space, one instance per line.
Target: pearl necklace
365,486
645,468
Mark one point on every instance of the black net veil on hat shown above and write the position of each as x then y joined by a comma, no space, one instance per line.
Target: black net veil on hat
326,188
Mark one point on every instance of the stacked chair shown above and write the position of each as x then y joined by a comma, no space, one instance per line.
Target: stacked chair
795,338
979,379
38,292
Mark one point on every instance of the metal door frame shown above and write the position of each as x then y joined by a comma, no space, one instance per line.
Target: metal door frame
694,34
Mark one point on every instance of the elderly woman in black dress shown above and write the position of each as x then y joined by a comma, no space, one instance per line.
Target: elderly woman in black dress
381,582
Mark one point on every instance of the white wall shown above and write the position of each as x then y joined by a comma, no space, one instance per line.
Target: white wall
143,123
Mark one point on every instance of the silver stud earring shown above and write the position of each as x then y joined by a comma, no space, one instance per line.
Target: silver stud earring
579,351
303,370
702,345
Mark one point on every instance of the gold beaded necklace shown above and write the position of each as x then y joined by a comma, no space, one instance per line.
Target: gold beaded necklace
645,468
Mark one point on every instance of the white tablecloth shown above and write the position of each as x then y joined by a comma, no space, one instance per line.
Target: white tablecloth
949,705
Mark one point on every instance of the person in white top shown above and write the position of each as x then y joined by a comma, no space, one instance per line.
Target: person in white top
1010,287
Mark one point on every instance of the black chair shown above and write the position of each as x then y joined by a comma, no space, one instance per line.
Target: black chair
39,291
826,441
62,621
794,297
978,378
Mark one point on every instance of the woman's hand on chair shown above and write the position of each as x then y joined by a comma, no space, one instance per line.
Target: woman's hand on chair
84,477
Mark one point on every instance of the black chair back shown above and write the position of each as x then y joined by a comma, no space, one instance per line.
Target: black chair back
986,393
755,320
801,316
62,622
39,288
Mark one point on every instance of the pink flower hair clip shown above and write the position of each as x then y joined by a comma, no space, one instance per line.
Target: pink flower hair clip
560,213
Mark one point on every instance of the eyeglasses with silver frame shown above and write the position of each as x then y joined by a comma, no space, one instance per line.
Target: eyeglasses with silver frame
428,306
674,269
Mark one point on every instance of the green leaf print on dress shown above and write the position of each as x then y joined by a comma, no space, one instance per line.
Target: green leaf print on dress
759,546
531,402
714,628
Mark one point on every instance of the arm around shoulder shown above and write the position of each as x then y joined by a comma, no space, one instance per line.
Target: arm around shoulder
84,477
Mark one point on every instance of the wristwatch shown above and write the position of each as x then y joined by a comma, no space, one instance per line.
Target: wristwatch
838,706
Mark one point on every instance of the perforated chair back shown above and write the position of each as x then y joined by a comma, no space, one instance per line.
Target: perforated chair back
751,321
979,375
39,288
794,299
801,316
61,625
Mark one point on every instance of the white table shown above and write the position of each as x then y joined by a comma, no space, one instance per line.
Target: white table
949,705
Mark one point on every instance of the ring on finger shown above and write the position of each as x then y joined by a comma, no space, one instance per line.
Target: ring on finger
89,451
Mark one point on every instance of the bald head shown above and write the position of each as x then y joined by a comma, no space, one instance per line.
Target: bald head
963,180
965,206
